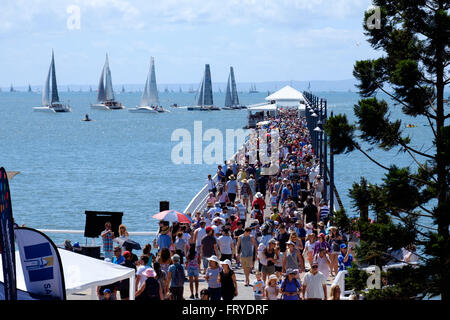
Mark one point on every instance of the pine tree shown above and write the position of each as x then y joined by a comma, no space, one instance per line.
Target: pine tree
411,205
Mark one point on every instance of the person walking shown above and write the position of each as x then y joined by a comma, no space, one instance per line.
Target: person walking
272,289
151,288
208,247
192,267
175,279
292,258
290,286
314,284
212,278
227,280
246,246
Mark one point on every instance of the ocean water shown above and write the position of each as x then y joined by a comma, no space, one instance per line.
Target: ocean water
122,161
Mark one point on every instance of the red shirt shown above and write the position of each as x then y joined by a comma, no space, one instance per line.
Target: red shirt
260,202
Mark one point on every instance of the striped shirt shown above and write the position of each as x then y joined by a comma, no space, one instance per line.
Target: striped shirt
107,241
324,212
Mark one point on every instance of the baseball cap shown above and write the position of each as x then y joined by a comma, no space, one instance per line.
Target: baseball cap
343,246
321,235
106,291
208,229
126,253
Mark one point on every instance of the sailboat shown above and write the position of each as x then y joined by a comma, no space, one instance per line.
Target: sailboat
105,95
205,95
11,89
29,88
52,104
149,100
231,95
191,90
253,89
123,89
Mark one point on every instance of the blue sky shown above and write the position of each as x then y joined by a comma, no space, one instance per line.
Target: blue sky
264,40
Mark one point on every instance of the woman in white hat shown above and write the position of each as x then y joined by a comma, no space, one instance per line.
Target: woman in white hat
227,279
212,277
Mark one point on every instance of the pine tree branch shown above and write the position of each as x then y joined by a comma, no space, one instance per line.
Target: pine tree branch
420,165
432,127
428,211
408,148
416,214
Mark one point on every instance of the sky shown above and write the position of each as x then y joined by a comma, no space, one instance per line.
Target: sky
264,40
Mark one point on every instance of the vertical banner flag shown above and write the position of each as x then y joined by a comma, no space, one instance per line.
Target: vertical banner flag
7,247
41,263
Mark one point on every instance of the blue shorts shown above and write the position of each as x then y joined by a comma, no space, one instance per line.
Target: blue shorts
192,272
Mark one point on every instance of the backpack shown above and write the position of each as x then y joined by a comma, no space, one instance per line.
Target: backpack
297,284
178,276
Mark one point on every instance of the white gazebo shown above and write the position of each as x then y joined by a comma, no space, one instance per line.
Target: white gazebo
287,97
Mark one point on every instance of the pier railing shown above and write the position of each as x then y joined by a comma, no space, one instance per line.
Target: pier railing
198,203
316,114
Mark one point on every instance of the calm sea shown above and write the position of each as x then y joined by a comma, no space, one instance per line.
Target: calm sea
122,161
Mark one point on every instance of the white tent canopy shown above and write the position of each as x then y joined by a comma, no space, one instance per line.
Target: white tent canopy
263,107
82,272
286,96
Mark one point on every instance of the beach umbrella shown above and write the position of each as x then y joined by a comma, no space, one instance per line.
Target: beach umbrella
172,216
130,244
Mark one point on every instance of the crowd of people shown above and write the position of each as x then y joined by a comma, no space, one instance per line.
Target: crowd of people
275,228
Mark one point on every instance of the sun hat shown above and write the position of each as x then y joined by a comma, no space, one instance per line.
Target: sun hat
259,195
290,242
272,241
244,180
214,258
175,258
149,273
321,223
226,261
273,277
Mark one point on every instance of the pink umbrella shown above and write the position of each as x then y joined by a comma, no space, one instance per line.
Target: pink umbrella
172,216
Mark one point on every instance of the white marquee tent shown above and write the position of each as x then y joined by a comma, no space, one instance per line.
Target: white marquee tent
287,97
82,273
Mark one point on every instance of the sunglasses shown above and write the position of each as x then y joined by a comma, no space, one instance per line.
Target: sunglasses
314,267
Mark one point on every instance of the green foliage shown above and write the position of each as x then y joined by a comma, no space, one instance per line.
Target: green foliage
415,39
356,279
341,221
341,134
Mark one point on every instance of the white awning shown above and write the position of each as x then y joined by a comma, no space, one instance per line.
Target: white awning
264,107
286,94
82,272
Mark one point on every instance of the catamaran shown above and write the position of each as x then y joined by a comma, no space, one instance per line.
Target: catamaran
231,95
105,95
53,104
205,95
149,99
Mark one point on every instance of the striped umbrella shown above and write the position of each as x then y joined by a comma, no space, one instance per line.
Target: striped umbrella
172,216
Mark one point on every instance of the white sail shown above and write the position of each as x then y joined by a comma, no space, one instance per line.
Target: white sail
153,94
109,92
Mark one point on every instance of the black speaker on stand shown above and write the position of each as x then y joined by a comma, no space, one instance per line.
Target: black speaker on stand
95,224
163,206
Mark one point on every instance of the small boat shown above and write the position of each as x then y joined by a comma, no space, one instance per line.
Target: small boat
205,95
53,104
253,89
149,100
86,118
105,96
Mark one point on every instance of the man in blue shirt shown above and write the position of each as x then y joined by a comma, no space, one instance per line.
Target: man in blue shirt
345,258
163,241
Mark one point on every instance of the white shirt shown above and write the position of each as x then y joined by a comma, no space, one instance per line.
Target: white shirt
201,233
314,285
139,272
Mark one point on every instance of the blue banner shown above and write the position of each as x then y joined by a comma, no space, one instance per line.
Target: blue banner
7,247
41,264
